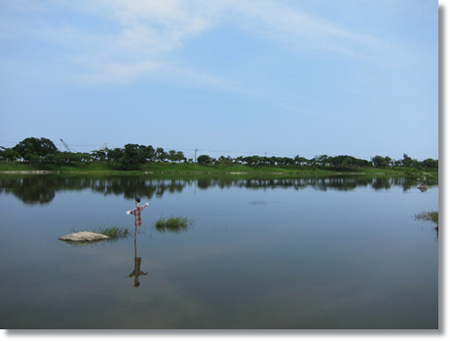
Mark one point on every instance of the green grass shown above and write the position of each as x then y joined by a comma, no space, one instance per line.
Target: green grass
115,232
187,168
429,216
16,166
173,224
432,216
168,168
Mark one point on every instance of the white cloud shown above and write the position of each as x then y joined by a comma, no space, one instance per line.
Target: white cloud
136,37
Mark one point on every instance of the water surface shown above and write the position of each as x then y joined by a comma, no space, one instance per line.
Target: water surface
261,253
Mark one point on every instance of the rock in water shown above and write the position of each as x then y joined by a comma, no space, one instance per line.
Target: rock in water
82,237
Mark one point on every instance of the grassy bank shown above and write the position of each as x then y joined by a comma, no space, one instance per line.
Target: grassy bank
192,168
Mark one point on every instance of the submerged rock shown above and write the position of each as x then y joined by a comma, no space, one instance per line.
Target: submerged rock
83,237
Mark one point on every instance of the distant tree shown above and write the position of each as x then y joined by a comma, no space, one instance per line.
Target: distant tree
225,160
312,162
379,161
342,161
274,160
69,157
252,160
33,149
8,154
180,156
240,159
430,163
407,161
172,156
84,158
363,163
149,154
334,161
348,161
397,163
287,161
56,159
133,156
322,160
161,155
299,160
115,155
204,159
99,154
388,161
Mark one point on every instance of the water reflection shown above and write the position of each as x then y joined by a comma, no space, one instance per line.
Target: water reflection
137,264
423,188
314,260
138,260
41,189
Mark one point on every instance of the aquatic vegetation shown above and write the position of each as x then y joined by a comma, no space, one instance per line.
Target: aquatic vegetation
115,232
432,216
173,224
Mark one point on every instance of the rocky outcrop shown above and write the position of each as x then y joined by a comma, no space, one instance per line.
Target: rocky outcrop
83,237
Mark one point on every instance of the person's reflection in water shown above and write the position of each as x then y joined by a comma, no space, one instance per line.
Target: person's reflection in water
137,264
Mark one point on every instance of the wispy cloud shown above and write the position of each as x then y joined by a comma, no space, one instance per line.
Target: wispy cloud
308,32
145,34
134,38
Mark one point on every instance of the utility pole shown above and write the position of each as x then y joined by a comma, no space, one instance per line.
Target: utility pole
195,159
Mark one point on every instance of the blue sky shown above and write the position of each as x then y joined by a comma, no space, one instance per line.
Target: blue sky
226,77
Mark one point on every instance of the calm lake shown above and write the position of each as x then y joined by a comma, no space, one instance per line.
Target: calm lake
260,253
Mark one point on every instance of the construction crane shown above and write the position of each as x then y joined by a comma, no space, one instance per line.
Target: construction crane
70,150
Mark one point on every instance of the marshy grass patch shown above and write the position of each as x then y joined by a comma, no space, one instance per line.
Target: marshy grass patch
173,224
115,233
428,216
432,216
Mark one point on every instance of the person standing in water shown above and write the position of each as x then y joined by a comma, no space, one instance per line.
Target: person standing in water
137,212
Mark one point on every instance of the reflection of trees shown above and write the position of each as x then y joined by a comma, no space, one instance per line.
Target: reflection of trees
41,189
381,183
29,189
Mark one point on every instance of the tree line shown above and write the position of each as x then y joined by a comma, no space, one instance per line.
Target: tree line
44,152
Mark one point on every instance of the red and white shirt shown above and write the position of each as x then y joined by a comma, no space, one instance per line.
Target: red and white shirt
137,215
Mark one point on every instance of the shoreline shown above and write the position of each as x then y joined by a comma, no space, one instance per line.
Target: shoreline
212,173
172,170
30,172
